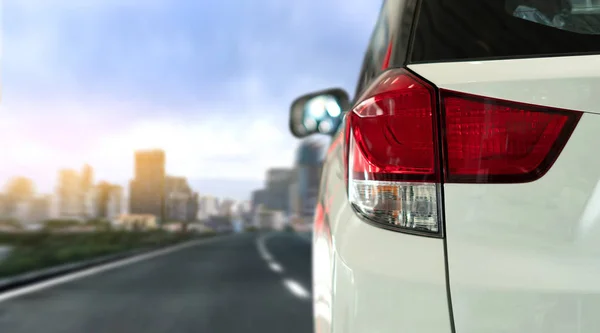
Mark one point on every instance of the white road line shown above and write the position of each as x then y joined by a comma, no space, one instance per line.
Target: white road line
275,267
262,249
296,289
98,269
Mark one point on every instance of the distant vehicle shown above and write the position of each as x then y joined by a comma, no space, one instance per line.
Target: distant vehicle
461,190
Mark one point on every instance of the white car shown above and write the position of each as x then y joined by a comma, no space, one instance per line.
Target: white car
461,192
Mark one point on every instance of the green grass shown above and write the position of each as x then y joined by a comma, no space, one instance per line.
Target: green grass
251,229
32,251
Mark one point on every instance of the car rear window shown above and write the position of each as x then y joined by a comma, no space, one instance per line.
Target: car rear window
454,30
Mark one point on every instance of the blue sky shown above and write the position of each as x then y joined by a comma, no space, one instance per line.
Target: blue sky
209,81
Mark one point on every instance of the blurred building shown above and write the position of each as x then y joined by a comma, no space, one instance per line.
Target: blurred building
192,207
294,197
242,214
54,206
87,178
258,197
147,189
3,206
22,211
109,198
277,186
243,208
227,207
181,202
71,199
90,201
307,177
114,205
32,210
269,219
208,207
40,209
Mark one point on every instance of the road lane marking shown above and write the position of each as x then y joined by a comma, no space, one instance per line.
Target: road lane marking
296,289
262,248
275,267
102,268
266,255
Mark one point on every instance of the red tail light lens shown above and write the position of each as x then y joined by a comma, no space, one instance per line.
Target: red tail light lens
394,131
397,136
393,162
494,141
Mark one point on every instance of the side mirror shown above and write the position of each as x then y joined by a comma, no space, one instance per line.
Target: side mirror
318,112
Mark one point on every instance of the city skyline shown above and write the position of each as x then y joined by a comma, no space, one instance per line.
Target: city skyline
231,188
241,194
79,196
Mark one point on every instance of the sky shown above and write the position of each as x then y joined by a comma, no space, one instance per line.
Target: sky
208,81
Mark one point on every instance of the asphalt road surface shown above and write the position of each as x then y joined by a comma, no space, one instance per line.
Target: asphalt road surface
237,283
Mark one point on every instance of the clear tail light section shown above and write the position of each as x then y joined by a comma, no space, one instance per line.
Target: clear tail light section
393,166
401,146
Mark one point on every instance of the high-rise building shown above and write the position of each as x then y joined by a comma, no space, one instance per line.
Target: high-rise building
103,196
40,209
114,205
75,194
192,207
258,197
278,183
70,195
226,207
307,175
207,208
295,202
181,201
4,211
87,178
147,189
109,200
88,192
90,201
243,207
22,213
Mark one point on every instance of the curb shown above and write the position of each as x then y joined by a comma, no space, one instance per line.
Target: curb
24,279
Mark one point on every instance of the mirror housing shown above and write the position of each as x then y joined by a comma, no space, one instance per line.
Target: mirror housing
318,112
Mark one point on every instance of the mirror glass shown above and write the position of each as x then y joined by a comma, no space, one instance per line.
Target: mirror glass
319,114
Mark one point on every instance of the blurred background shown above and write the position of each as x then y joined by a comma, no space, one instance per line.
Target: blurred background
149,179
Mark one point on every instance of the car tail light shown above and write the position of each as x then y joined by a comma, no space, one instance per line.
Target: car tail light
493,141
400,147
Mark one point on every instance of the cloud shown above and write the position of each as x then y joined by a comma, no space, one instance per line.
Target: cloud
203,145
211,82
234,149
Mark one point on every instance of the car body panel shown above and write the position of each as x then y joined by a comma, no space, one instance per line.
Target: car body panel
525,258
563,82
378,281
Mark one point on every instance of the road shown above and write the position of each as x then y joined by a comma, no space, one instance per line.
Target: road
246,282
